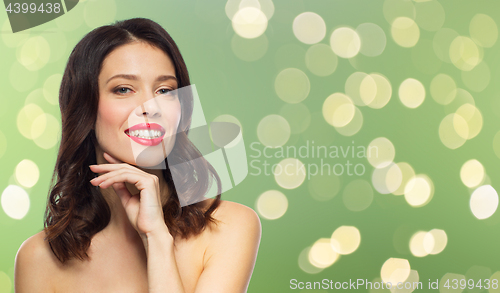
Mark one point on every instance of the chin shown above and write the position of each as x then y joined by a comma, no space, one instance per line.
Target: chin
152,157
150,160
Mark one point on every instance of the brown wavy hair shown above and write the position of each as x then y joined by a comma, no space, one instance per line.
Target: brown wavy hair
76,210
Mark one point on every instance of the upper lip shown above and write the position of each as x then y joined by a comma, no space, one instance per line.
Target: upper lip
146,126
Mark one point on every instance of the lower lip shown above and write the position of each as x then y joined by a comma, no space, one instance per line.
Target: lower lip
145,141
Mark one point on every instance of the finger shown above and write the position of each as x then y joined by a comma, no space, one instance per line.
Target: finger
140,181
110,170
111,159
122,192
111,167
119,175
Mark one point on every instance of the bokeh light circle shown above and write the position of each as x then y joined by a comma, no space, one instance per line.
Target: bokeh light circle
27,173
321,60
383,93
472,173
273,131
367,89
357,195
51,88
345,42
358,84
443,89
309,28
249,22
448,133
25,118
407,173
417,244
483,30
464,53
405,32
411,93
473,118
46,137
387,179
290,173
305,264
352,127
233,6
34,54
345,239
292,85
338,109
435,241
419,190
272,204
395,270
373,39
380,152
15,202
322,254
484,202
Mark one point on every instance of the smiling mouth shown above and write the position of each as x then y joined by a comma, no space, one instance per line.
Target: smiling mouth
144,133
149,134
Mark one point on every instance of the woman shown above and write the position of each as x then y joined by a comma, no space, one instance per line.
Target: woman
112,224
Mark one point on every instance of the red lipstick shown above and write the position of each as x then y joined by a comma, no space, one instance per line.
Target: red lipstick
145,129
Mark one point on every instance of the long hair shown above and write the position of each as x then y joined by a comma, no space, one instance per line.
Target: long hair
76,210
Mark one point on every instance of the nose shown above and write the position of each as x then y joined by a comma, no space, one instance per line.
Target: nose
149,108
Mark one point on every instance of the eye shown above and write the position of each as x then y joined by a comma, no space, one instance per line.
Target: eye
164,91
122,90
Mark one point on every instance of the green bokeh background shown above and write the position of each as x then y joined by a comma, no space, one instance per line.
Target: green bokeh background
245,90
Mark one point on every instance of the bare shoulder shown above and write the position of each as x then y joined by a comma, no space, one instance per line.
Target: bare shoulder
237,225
237,216
232,249
35,265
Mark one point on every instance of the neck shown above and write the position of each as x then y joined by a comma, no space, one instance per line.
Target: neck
119,222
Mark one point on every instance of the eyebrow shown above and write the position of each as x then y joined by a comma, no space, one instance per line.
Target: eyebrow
135,77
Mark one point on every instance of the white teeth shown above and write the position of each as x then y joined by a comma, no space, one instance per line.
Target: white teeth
147,134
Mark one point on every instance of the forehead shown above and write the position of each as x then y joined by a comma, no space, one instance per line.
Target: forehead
137,58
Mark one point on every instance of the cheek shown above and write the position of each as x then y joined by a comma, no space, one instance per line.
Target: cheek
109,119
173,113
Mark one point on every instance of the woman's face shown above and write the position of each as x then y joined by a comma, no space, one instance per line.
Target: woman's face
138,117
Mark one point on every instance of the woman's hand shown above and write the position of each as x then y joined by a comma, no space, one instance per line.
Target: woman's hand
144,209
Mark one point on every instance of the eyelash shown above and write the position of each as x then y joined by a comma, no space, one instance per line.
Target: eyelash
122,87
